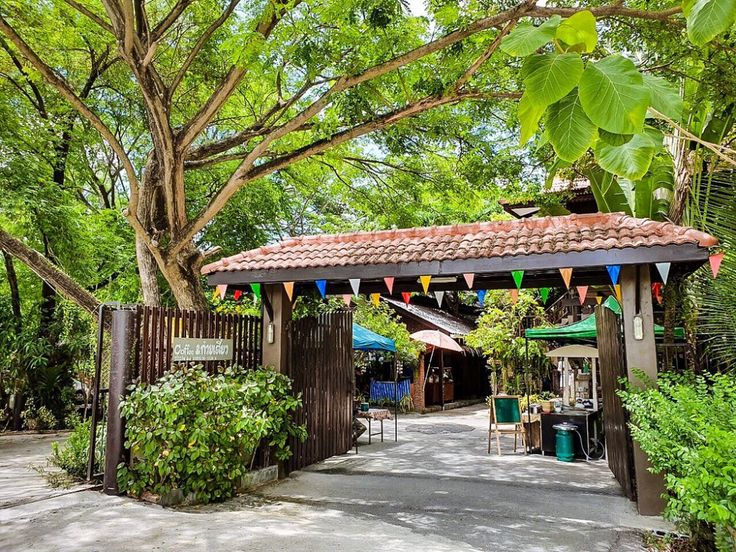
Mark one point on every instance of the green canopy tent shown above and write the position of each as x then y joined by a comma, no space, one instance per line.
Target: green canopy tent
586,329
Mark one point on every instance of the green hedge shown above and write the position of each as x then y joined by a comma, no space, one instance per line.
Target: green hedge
687,427
198,432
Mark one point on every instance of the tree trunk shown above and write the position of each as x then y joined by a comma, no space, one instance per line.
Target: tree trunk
46,270
14,292
186,284
148,272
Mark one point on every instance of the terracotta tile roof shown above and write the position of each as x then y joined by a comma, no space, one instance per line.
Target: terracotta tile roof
573,233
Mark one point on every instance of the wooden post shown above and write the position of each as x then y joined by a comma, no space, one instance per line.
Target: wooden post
442,378
641,353
275,327
121,364
594,378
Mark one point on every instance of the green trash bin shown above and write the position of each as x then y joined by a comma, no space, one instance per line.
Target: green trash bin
563,441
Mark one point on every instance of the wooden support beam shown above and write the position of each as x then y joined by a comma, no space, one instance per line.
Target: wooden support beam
641,354
275,327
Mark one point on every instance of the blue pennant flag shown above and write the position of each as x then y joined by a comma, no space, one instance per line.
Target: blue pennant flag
322,286
481,296
613,272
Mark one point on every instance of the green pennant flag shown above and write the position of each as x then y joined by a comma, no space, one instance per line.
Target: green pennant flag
518,276
256,290
544,294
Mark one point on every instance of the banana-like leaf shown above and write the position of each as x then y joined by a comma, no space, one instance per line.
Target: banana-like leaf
609,196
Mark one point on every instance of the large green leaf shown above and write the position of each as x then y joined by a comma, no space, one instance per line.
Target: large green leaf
578,32
570,130
550,77
665,98
529,115
614,96
630,160
608,194
526,39
706,19
654,192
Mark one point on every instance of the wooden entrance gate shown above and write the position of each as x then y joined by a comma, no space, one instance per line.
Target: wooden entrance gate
613,368
321,368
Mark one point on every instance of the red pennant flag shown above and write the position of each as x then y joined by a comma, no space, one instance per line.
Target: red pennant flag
389,284
406,296
582,293
222,290
347,298
657,289
715,263
469,277
236,294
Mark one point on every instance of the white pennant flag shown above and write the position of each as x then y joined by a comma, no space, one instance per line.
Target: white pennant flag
439,295
664,271
355,284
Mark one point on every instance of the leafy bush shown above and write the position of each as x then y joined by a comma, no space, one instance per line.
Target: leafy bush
73,455
686,425
199,432
37,419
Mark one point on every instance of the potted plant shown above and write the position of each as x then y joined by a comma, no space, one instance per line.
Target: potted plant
545,398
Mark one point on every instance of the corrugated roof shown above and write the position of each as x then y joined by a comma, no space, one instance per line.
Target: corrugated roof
442,320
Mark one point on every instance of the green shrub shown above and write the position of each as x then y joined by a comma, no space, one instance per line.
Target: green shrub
686,425
198,432
38,419
73,455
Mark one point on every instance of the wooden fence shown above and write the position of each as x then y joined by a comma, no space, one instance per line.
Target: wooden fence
321,368
613,368
158,326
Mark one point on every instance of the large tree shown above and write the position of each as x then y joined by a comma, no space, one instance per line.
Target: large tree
260,87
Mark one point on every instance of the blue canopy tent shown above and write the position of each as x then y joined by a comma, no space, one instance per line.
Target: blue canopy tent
366,340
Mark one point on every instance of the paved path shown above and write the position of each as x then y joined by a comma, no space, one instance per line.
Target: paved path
436,491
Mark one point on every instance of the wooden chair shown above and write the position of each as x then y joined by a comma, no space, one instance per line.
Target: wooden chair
506,411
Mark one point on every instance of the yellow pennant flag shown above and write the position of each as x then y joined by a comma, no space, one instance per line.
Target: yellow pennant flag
566,276
289,287
617,287
375,298
599,299
425,282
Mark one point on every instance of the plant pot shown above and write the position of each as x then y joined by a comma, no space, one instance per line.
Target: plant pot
364,407
546,407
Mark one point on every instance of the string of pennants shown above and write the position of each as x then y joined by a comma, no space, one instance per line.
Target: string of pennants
614,272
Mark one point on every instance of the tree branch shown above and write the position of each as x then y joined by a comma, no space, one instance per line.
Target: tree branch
170,19
199,45
49,273
91,15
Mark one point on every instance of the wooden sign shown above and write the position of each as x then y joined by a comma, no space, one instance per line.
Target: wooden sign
194,348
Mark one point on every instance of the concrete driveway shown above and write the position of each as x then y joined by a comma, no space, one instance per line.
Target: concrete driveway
434,490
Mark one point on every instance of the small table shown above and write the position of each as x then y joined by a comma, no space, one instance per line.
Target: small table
378,414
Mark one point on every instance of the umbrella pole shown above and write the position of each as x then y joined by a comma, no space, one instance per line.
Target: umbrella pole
528,406
442,378
396,398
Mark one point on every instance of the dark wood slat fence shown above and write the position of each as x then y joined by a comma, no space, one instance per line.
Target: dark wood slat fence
157,326
613,368
321,368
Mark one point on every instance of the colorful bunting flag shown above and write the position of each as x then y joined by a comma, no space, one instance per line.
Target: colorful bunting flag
481,293
617,289
346,297
406,296
598,299
439,295
544,294
237,294
355,284
518,276
389,284
222,290
425,282
215,294
289,287
256,288
613,272
657,290
322,287
566,276
715,263
582,293
664,271
469,277
375,298
514,295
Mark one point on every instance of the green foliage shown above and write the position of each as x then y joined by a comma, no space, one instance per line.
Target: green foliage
685,426
39,418
198,432
550,77
73,455
570,130
526,39
383,320
706,19
630,160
